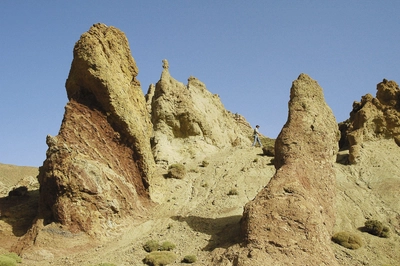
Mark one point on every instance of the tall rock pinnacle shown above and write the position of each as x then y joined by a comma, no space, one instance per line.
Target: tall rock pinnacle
290,221
97,167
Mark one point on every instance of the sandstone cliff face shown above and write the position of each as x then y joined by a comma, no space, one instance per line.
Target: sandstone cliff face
97,167
189,120
291,220
372,119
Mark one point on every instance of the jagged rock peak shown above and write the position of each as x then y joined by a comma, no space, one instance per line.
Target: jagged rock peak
103,74
306,107
97,169
372,118
190,116
101,51
290,221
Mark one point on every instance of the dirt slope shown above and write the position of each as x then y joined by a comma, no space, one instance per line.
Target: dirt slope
11,174
369,191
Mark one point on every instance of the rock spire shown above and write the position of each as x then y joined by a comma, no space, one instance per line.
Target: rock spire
291,220
97,168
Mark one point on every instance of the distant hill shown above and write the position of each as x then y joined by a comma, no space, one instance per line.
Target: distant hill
11,174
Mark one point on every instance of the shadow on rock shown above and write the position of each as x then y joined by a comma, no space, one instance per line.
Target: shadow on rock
224,231
342,158
19,210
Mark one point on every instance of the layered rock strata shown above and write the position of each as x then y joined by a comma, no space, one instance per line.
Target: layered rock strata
290,221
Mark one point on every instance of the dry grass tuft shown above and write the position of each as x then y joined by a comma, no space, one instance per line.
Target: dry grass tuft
347,240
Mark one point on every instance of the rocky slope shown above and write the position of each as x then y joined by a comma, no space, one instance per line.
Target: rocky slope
188,120
102,195
373,118
197,214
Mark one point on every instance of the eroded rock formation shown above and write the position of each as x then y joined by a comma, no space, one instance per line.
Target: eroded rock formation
291,219
188,119
373,118
97,167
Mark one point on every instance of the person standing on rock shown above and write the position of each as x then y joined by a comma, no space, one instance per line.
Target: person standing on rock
256,135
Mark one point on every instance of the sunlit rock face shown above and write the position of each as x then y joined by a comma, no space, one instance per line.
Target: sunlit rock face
97,168
290,221
372,119
189,120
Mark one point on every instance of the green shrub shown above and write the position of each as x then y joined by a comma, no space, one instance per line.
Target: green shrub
233,191
177,171
159,258
106,264
9,259
167,246
347,240
189,259
14,256
377,228
205,163
151,246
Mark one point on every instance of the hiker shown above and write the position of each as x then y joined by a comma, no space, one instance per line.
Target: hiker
256,136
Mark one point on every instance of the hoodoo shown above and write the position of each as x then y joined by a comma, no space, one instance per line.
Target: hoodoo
290,221
97,167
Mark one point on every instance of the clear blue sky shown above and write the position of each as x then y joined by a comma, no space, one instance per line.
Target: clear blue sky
248,52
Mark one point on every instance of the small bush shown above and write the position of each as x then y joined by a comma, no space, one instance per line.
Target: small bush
233,191
14,256
347,240
159,258
205,163
177,171
375,227
106,264
189,259
9,259
151,246
167,246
